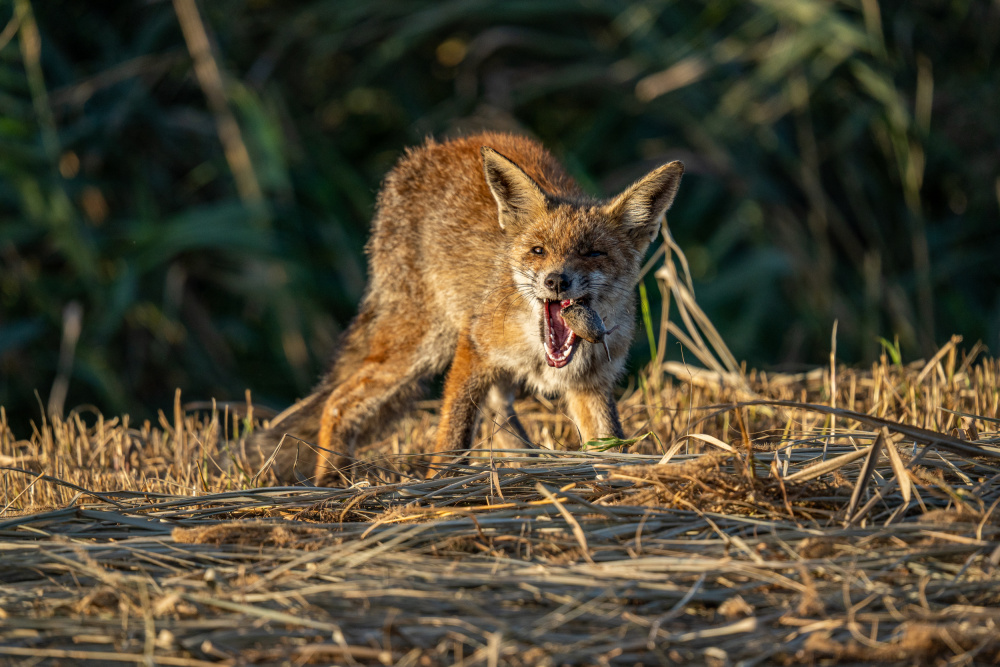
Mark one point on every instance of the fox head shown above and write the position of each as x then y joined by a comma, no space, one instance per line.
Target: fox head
565,250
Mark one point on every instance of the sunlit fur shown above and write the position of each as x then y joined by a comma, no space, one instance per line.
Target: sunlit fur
456,279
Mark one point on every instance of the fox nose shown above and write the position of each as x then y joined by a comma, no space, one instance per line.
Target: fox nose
557,282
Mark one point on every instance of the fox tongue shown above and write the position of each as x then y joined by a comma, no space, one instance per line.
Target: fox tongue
558,330
559,338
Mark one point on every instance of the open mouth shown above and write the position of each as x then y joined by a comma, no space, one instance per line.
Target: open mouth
559,340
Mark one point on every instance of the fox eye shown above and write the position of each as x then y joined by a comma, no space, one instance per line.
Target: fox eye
538,250
594,253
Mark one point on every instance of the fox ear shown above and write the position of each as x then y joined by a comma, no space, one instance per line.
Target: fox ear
644,202
516,193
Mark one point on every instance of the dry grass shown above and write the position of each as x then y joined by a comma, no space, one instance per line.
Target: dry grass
149,543
825,518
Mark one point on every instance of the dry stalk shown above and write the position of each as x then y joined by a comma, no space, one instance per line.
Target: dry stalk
735,541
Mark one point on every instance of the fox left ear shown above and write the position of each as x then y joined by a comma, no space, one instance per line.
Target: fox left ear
644,202
517,195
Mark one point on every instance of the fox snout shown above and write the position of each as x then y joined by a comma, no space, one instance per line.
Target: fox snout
558,288
557,284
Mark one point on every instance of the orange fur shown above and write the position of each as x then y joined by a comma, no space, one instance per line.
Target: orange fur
471,239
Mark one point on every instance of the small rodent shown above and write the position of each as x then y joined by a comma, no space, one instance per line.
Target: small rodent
587,324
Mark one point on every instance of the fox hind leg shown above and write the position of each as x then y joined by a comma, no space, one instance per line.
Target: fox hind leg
351,409
288,445
377,391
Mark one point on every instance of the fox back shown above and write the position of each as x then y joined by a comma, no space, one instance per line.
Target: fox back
477,246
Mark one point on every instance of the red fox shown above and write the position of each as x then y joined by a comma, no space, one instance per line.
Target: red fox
477,246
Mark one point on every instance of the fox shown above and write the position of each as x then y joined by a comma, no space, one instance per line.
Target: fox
477,245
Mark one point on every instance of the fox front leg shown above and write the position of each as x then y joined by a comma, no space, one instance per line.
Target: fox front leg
595,413
465,390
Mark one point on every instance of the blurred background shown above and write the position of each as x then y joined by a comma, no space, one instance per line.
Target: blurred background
185,190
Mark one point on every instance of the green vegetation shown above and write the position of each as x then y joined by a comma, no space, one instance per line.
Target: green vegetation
842,164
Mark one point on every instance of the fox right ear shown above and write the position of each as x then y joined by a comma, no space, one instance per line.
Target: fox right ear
517,195
644,202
